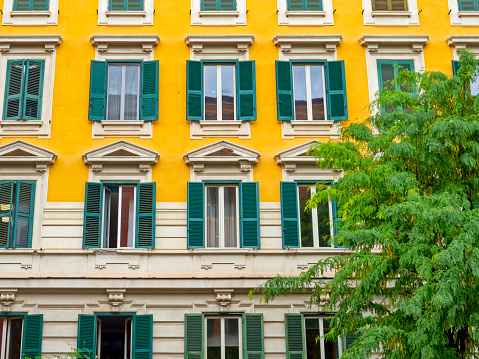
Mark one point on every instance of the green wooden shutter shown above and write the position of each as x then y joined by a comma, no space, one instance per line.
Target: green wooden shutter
348,340
12,106
196,215
284,90
149,90
21,5
290,214
194,90
246,91
208,5
92,216
314,5
249,215
32,336
455,67
294,328
40,5
23,217
98,72
253,336
135,5
6,204
337,99
86,338
32,101
227,5
117,5
295,5
143,336
467,5
194,333
146,215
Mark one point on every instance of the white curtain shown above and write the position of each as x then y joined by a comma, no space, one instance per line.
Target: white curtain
230,217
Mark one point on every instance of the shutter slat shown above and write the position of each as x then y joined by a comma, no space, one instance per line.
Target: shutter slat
455,67
289,215
33,90
208,5
380,5
337,104
14,89
194,94
294,336
227,5
40,5
253,337
117,5
86,338
6,198
247,91
196,215
296,5
146,215
32,336
466,5
24,210
149,92
21,5
250,229
284,90
143,336
194,336
399,5
97,91
135,5
314,5
92,216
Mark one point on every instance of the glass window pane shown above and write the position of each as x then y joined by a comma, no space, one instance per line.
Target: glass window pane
300,94
317,92
330,348
475,86
114,199
212,215
228,92
15,342
213,338
127,216
230,217
211,92
404,86
2,344
313,348
114,92
306,218
387,72
231,338
131,92
324,230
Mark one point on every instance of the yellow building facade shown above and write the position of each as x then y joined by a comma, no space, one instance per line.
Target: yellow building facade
186,211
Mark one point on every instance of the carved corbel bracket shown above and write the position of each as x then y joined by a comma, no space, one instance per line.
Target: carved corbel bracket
223,298
7,297
115,298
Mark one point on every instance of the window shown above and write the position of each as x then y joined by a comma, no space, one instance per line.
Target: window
225,87
30,5
305,5
388,71
221,337
218,5
309,92
20,336
125,5
128,91
17,200
468,5
226,214
302,88
474,83
222,212
389,5
23,90
305,229
121,335
119,215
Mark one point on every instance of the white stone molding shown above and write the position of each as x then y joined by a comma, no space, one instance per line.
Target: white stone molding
30,18
32,47
459,42
219,47
223,297
307,47
125,18
218,18
130,43
202,129
298,165
306,18
20,153
391,18
115,298
462,18
222,160
7,298
120,159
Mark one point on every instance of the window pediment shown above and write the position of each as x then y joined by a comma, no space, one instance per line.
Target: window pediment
307,44
20,153
459,42
393,43
44,43
118,43
219,43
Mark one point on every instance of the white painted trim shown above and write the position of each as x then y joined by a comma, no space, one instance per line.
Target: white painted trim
462,18
307,47
218,18
125,18
391,18
30,18
222,336
305,18
219,47
203,129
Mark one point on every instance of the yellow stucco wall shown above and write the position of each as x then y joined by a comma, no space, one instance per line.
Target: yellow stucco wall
71,133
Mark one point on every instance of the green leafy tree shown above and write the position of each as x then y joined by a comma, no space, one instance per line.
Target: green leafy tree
408,207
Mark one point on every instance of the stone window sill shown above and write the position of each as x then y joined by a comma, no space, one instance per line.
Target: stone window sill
468,14
391,13
20,125
200,129
219,13
31,13
126,13
305,13
108,128
293,129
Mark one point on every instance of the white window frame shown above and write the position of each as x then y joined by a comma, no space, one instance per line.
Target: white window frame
240,334
218,18
391,18
321,334
125,18
306,18
314,213
107,239
123,84
309,99
6,335
462,18
219,90
30,18
221,212
98,338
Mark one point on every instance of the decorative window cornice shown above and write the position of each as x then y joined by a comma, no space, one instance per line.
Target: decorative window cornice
288,43
296,155
459,42
145,42
21,153
48,42
240,42
387,43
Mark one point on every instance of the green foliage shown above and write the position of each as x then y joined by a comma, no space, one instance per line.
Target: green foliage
410,284
75,354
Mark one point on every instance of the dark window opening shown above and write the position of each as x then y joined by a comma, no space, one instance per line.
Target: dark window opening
114,337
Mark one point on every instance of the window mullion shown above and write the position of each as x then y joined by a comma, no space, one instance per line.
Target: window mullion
125,5
30,5
305,5
476,5
309,100
321,333
390,6
219,91
223,351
